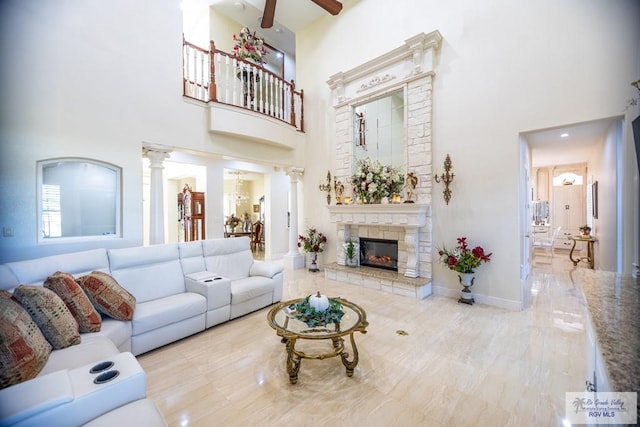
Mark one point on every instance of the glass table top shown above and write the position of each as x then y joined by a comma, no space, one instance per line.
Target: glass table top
282,318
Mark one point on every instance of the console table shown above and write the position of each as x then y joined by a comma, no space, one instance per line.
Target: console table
590,254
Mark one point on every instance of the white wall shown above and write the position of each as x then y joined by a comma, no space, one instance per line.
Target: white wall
97,80
505,67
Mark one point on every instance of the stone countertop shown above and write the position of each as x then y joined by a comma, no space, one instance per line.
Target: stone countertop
613,301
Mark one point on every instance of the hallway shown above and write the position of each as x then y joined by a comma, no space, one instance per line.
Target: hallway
458,364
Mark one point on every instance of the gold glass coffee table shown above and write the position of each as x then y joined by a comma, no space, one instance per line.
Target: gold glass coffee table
281,318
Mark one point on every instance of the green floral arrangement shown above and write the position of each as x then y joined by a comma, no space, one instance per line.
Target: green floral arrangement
462,259
304,312
313,241
373,181
249,46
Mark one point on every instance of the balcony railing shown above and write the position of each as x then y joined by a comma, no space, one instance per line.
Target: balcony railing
216,76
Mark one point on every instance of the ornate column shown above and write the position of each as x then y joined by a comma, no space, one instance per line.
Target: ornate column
156,157
294,259
412,240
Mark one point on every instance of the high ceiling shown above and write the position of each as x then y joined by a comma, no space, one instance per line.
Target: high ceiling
291,16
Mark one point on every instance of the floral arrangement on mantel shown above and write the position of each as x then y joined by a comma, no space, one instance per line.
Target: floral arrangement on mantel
462,259
372,181
249,46
312,241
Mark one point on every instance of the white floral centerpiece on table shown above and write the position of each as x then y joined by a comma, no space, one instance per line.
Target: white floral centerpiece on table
249,46
372,181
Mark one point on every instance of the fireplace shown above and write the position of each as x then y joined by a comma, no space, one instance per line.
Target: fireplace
379,253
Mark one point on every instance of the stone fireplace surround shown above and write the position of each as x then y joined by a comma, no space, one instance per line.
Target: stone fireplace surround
410,67
406,223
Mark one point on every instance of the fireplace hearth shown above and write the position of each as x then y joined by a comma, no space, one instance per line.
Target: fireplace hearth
379,253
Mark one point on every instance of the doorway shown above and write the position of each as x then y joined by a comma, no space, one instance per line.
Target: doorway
590,151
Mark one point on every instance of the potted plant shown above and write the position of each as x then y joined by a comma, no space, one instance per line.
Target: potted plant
351,253
464,261
585,230
313,243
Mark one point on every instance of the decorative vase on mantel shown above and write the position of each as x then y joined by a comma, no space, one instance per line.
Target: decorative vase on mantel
466,280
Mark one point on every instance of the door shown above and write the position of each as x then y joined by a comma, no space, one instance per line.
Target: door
526,242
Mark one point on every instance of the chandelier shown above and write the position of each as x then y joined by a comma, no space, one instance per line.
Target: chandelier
239,195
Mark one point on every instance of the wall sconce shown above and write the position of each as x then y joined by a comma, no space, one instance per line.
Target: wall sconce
446,178
326,187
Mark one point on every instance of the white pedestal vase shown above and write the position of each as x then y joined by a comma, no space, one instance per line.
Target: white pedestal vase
466,280
314,266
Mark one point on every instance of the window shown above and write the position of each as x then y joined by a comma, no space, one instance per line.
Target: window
79,199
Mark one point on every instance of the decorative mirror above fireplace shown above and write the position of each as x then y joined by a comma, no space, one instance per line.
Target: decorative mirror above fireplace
379,130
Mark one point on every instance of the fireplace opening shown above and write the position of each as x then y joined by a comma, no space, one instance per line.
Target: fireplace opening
379,253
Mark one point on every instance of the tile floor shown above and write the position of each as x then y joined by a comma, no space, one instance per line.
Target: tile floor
459,365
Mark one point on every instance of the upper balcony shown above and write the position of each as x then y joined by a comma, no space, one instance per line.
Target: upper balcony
245,99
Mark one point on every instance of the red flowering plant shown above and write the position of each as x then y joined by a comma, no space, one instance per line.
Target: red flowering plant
313,241
249,46
462,259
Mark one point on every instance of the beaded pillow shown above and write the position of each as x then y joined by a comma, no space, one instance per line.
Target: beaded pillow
108,296
65,286
50,314
23,349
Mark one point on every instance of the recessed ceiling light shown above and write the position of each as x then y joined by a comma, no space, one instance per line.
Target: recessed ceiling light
564,135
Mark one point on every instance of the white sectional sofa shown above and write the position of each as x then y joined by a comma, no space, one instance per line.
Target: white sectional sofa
180,290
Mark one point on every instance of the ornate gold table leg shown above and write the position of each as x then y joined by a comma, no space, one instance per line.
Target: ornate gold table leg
293,361
590,254
350,364
574,261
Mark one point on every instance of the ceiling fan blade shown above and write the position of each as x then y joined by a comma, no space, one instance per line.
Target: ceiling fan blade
332,6
269,12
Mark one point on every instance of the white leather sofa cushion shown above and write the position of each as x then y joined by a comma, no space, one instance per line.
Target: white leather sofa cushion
141,413
260,268
250,287
191,257
148,272
232,260
91,349
22,401
35,271
165,311
118,331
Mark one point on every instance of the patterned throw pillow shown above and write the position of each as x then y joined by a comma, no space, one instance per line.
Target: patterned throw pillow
65,286
50,314
23,349
108,296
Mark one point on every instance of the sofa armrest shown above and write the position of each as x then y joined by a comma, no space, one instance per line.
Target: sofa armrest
29,398
216,289
261,268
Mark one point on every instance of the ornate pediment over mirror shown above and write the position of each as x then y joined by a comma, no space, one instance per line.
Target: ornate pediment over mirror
383,111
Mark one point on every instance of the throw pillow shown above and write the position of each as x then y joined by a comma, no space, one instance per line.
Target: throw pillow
23,349
108,296
66,287
50,314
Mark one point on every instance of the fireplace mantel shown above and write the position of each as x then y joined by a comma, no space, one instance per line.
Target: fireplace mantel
400,215
411,217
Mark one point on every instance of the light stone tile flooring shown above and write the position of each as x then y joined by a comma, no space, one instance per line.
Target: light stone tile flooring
459,365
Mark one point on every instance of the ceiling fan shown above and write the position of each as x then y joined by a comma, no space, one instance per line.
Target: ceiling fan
332,6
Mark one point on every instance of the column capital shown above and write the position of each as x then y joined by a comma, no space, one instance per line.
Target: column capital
294,172
156,155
